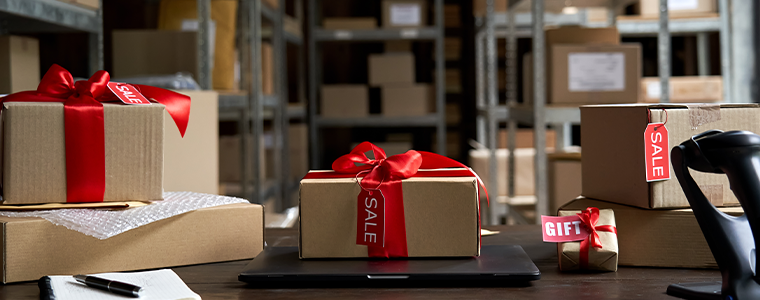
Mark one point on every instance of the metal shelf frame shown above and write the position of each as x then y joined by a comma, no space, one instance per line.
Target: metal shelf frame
512,25
318,35
253,108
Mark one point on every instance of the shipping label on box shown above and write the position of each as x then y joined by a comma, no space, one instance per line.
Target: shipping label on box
678,8
388,208
613,159
596,72
686,89
404,13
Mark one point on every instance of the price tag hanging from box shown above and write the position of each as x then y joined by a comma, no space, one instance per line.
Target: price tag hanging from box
656,150
127,93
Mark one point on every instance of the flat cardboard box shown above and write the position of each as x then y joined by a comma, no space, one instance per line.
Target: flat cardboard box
565,178
191,163
525,182
391,68
658,238
441,216
34,158
19,64
405,13
406,100
613,150
267,69
154,52
173,13
349,23
479,7
595,74
35,247
678,8
345,100
684,89
524,138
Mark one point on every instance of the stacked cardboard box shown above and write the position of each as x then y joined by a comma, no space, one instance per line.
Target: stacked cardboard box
394,73
685,89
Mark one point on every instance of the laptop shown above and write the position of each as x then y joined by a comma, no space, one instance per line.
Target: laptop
496,263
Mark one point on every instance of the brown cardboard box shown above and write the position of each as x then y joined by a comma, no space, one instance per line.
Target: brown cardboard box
479,7
406,100
600,259
524,138
172,13
688,89
678,8
89,4
658,238
154,52
298,142
19,64
451,17
344,100
565,175
267,69
595,74
613,150
597,14
191,163
34,156
404,13
35,247
525,182
453,81
441,217
349,23
397,67
398,46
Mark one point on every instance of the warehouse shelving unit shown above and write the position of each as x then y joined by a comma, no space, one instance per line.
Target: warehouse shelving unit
252,108
512,25
32,16
318,35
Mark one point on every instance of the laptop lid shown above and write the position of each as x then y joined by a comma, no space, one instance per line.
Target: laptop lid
496,262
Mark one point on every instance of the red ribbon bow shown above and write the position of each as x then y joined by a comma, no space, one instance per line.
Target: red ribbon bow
589,218
385,174
84,124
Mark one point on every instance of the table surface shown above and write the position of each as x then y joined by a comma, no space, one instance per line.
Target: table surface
219,280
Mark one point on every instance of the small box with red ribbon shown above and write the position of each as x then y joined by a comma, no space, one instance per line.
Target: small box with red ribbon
83,142
586,240
416,204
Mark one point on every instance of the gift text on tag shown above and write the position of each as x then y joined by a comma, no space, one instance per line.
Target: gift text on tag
370,220
657,151
563,229
127,93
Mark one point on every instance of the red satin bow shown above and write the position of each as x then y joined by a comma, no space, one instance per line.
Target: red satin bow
589,218
84,124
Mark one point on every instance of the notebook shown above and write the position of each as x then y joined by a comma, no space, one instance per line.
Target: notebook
160,284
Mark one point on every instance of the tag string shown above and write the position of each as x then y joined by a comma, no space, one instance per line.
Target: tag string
649,118
368,190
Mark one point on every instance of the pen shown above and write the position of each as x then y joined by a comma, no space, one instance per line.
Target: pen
112,286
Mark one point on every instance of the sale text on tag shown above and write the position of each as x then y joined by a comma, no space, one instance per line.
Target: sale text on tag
563,229
370,220
127,93
656,149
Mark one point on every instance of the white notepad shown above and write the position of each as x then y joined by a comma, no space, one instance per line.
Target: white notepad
161,284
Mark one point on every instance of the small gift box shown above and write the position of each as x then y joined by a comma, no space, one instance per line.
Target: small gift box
416,204
598,250
77,142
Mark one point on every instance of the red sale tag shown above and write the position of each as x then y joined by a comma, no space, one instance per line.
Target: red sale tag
370,220
563,229
127,93
656,149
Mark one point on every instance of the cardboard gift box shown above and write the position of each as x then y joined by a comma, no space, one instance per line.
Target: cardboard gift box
658,237
35,247
614,167
684,89
599,259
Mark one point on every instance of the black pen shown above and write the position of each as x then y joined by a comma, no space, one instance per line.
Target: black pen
112,286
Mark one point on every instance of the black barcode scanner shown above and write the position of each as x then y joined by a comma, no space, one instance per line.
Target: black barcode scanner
731,239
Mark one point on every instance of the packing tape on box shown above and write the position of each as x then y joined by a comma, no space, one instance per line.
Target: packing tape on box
103,224
701,114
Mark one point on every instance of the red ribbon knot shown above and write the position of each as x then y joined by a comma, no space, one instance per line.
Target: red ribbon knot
589,218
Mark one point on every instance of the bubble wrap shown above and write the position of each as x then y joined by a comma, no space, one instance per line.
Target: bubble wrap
103,224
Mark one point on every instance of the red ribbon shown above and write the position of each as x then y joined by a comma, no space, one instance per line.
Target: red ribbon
589,218
84,124
385,174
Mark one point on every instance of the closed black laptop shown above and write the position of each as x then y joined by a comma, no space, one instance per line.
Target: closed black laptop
502,263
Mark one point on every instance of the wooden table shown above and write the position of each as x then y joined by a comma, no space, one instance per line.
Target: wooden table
219,281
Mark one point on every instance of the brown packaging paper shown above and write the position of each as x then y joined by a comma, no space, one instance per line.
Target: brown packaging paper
600,259
441,216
